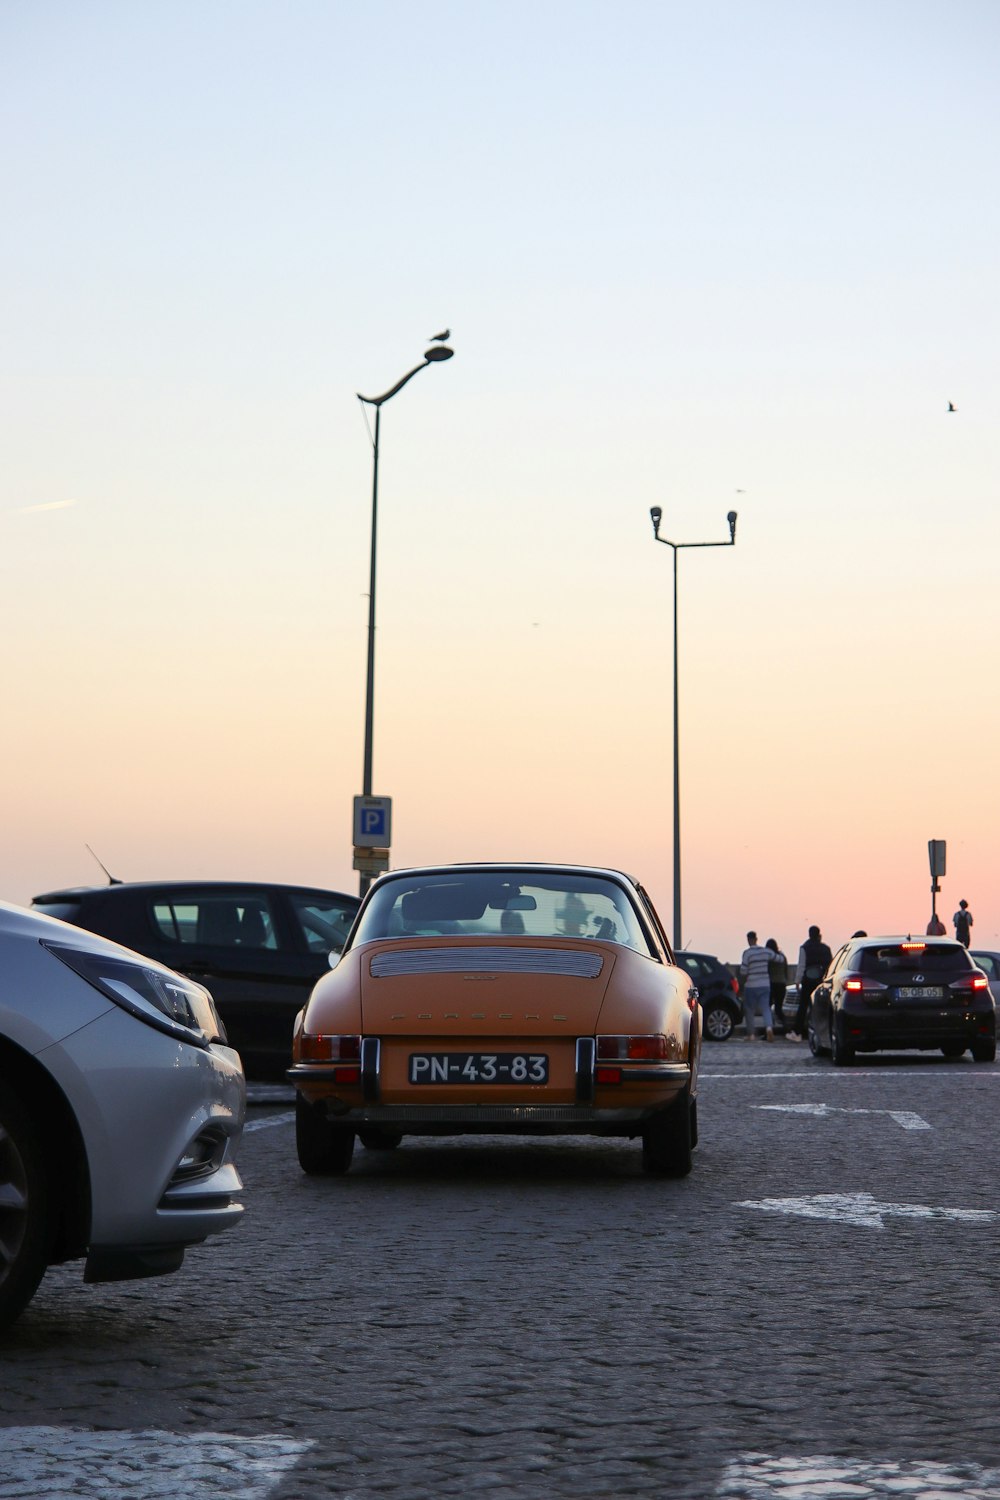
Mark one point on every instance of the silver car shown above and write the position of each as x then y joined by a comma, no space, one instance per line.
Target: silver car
121,1106
990,965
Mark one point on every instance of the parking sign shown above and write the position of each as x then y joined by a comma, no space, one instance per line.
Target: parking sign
372,822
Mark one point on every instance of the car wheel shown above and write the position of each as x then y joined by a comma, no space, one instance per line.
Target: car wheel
25,1209
666,1140
374,1139
841,1055
717,1023
814,1046
324,1149
984,1051
953,1049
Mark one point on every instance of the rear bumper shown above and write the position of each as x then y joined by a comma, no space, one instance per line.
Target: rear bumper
592,1106
916,1028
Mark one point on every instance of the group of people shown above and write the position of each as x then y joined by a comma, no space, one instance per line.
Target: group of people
764,972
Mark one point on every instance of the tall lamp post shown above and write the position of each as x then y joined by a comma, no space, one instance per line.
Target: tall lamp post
434,355
657,515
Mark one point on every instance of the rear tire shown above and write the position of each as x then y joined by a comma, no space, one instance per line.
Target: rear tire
26,1215
324,1149
666,1140
841,1055
984,1051
717,1022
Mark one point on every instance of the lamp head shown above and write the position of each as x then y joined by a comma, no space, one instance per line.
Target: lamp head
439,352
656,514
731,518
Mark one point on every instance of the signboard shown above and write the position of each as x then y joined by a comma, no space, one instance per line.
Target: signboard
372,823
937,850
370,861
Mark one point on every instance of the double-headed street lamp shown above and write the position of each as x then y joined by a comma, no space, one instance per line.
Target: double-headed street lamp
657,515
437,352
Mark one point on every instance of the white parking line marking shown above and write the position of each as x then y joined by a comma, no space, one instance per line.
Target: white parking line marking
864,1210
65,1461
903,1117
757,1476
972,1074
266,1124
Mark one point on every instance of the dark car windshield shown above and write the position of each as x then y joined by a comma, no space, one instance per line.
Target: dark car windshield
503,903
936,958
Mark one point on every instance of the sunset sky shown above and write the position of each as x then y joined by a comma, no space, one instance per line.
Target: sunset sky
725,256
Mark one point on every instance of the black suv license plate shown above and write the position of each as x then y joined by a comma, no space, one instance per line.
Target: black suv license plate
479,1067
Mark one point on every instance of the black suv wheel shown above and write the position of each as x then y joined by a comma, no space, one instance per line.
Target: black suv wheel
718,1021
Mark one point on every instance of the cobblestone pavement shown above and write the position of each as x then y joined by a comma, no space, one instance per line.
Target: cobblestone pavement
523,1319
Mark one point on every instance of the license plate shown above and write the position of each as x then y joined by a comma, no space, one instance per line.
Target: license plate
479,1067
921,992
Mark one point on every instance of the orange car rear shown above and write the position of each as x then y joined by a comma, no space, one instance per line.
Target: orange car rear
445,1016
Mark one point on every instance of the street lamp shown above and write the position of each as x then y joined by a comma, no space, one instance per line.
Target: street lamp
657,516
434,355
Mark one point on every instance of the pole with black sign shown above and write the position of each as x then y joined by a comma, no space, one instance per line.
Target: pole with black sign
937,850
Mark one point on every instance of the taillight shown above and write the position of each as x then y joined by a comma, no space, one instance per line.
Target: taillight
735,984
633,1048
854,984
327,1049
970,983
912,947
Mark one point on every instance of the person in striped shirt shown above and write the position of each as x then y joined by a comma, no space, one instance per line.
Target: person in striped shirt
754,966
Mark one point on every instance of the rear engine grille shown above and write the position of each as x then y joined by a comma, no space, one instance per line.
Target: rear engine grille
567,961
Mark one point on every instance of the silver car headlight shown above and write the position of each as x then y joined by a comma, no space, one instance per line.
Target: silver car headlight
157,996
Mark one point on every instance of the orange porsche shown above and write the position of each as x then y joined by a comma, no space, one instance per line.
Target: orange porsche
500,999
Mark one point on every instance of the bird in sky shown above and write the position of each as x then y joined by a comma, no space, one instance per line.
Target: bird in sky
741,492
952,406
439,338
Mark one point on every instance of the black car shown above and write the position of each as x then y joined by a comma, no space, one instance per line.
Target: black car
894,993
718,992
258,948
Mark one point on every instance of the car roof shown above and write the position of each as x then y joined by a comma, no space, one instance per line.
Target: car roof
904,937
205,887
490,867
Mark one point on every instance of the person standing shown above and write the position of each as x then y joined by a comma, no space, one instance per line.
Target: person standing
814,960
754,966
963,924
778,974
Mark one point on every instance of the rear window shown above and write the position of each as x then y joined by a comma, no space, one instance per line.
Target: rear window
325,924
702,967
508,903
912,958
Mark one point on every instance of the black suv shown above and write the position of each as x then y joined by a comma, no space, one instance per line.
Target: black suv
718,991
902,992
258,948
